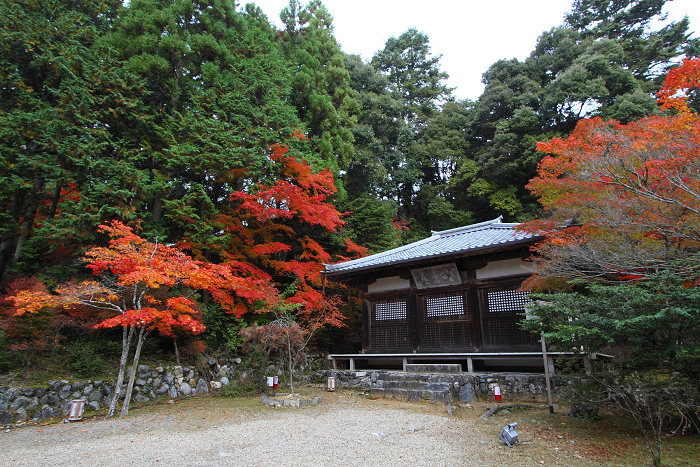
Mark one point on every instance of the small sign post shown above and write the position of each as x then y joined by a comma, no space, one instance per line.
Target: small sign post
76,410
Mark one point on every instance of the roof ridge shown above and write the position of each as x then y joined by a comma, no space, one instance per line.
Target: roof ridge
387,252
468,227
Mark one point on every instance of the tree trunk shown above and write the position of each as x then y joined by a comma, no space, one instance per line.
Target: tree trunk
28,221
291,367
8,240
177,352
132,378
55,198
127,334
157,211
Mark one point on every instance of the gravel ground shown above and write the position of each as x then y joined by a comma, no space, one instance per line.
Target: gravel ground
344,429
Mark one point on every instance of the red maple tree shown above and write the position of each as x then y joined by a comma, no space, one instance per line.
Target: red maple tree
277,232
146,286
620,200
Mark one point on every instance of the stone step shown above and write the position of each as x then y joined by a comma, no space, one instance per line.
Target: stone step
416,385
413,395
448,368
433,378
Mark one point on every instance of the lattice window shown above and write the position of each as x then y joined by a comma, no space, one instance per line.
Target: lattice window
446,321
507,301
390,327
384,311
444,306
502,308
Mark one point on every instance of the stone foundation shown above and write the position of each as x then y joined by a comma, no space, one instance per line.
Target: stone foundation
446,388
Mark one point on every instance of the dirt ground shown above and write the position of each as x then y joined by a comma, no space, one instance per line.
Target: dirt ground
347,428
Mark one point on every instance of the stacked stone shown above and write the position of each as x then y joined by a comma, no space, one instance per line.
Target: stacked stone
19,405
444,388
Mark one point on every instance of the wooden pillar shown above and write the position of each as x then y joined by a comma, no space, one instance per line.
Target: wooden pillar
414,319
365,329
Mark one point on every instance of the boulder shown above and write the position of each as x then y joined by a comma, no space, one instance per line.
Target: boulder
95,406
21,415
162,389
78,386
20,402
52,398
202,387
13,393
65,407
5,417
466,393
140,398
4,403
47,412
64,393
185,389
585,411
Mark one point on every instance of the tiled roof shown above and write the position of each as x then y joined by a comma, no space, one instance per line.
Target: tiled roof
447,242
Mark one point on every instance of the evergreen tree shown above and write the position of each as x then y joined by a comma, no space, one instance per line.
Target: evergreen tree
321,91
63,98
415,80
414,76
217,87
607,63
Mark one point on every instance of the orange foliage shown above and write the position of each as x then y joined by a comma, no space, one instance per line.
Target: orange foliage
271,230
141,269
621,199
674,92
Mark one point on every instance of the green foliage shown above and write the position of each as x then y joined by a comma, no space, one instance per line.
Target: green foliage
222,333
652,328
648,52
414,75
7,359
321,91
84,359
247,389
652,324
369,223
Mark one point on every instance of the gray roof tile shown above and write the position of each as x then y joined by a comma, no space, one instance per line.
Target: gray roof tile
453,241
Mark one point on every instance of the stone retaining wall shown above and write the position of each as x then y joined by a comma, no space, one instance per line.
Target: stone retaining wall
443,387
18,405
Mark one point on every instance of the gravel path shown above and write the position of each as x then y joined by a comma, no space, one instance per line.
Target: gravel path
343,430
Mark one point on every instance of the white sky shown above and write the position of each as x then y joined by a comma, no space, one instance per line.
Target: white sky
471,35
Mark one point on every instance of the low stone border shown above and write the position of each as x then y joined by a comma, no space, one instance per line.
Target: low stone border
293,402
